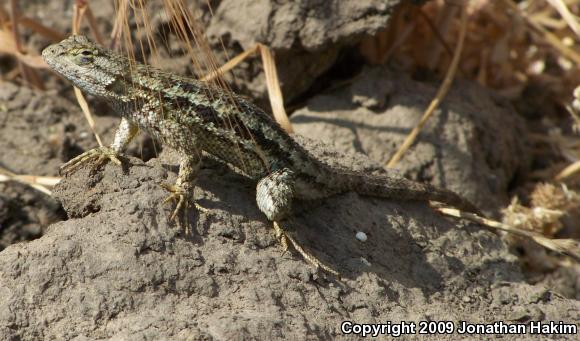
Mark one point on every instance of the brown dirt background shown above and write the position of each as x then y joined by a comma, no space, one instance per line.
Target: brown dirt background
105,263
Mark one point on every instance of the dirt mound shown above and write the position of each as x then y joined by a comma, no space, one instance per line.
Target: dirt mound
474,144
120,270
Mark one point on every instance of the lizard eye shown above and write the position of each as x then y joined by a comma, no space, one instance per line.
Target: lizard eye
84,57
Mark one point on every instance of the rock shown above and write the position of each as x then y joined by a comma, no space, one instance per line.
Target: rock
307,36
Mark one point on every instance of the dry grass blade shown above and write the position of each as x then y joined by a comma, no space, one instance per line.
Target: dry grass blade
79,9
36,179
443,25
37,182
569,247
9,46
188,29
272,82
549,37
380,48
27,73
14,16
191,31
570,19
436,32
441,93
93,25
568,171
230,64
120,18
87,112
397,43
78,13
274,91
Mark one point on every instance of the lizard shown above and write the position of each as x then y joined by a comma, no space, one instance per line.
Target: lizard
192,116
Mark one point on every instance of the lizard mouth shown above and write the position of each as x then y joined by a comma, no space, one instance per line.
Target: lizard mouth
56,57
50,52
50,55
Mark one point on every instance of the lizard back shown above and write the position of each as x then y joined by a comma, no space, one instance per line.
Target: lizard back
190,115
182,112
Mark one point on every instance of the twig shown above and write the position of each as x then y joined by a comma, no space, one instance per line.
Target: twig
569,247
435,31
568,171
399,40
570,19
87,112
80,8
441,93
93,26
230,64
122,10
274,91
14,14
549,37
27,73
272,82
37,182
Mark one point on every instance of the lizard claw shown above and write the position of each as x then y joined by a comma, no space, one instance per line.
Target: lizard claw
182,197
177,195
96,156
284,237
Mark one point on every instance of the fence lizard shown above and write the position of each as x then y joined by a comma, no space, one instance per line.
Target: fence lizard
191,116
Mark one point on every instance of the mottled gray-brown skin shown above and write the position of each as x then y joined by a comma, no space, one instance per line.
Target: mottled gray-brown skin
191,116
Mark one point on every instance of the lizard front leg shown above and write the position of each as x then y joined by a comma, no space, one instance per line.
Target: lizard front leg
274,195
124,134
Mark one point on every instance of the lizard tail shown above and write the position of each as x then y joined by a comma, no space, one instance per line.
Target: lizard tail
400,188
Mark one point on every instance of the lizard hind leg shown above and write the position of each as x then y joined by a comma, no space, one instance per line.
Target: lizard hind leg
274,194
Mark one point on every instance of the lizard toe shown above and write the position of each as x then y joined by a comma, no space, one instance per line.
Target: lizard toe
182,199
96,157
284,238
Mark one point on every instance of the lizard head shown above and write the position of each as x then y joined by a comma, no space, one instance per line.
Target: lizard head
88,66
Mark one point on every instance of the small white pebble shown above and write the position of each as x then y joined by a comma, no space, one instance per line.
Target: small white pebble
361,236
365,261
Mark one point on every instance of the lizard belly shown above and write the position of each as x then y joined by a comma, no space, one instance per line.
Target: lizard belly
190,139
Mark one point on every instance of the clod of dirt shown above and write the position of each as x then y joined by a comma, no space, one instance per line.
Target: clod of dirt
39,132
307,36
474,144
119,269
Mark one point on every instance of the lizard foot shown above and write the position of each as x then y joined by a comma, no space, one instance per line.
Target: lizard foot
284,237
96,156
182,197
